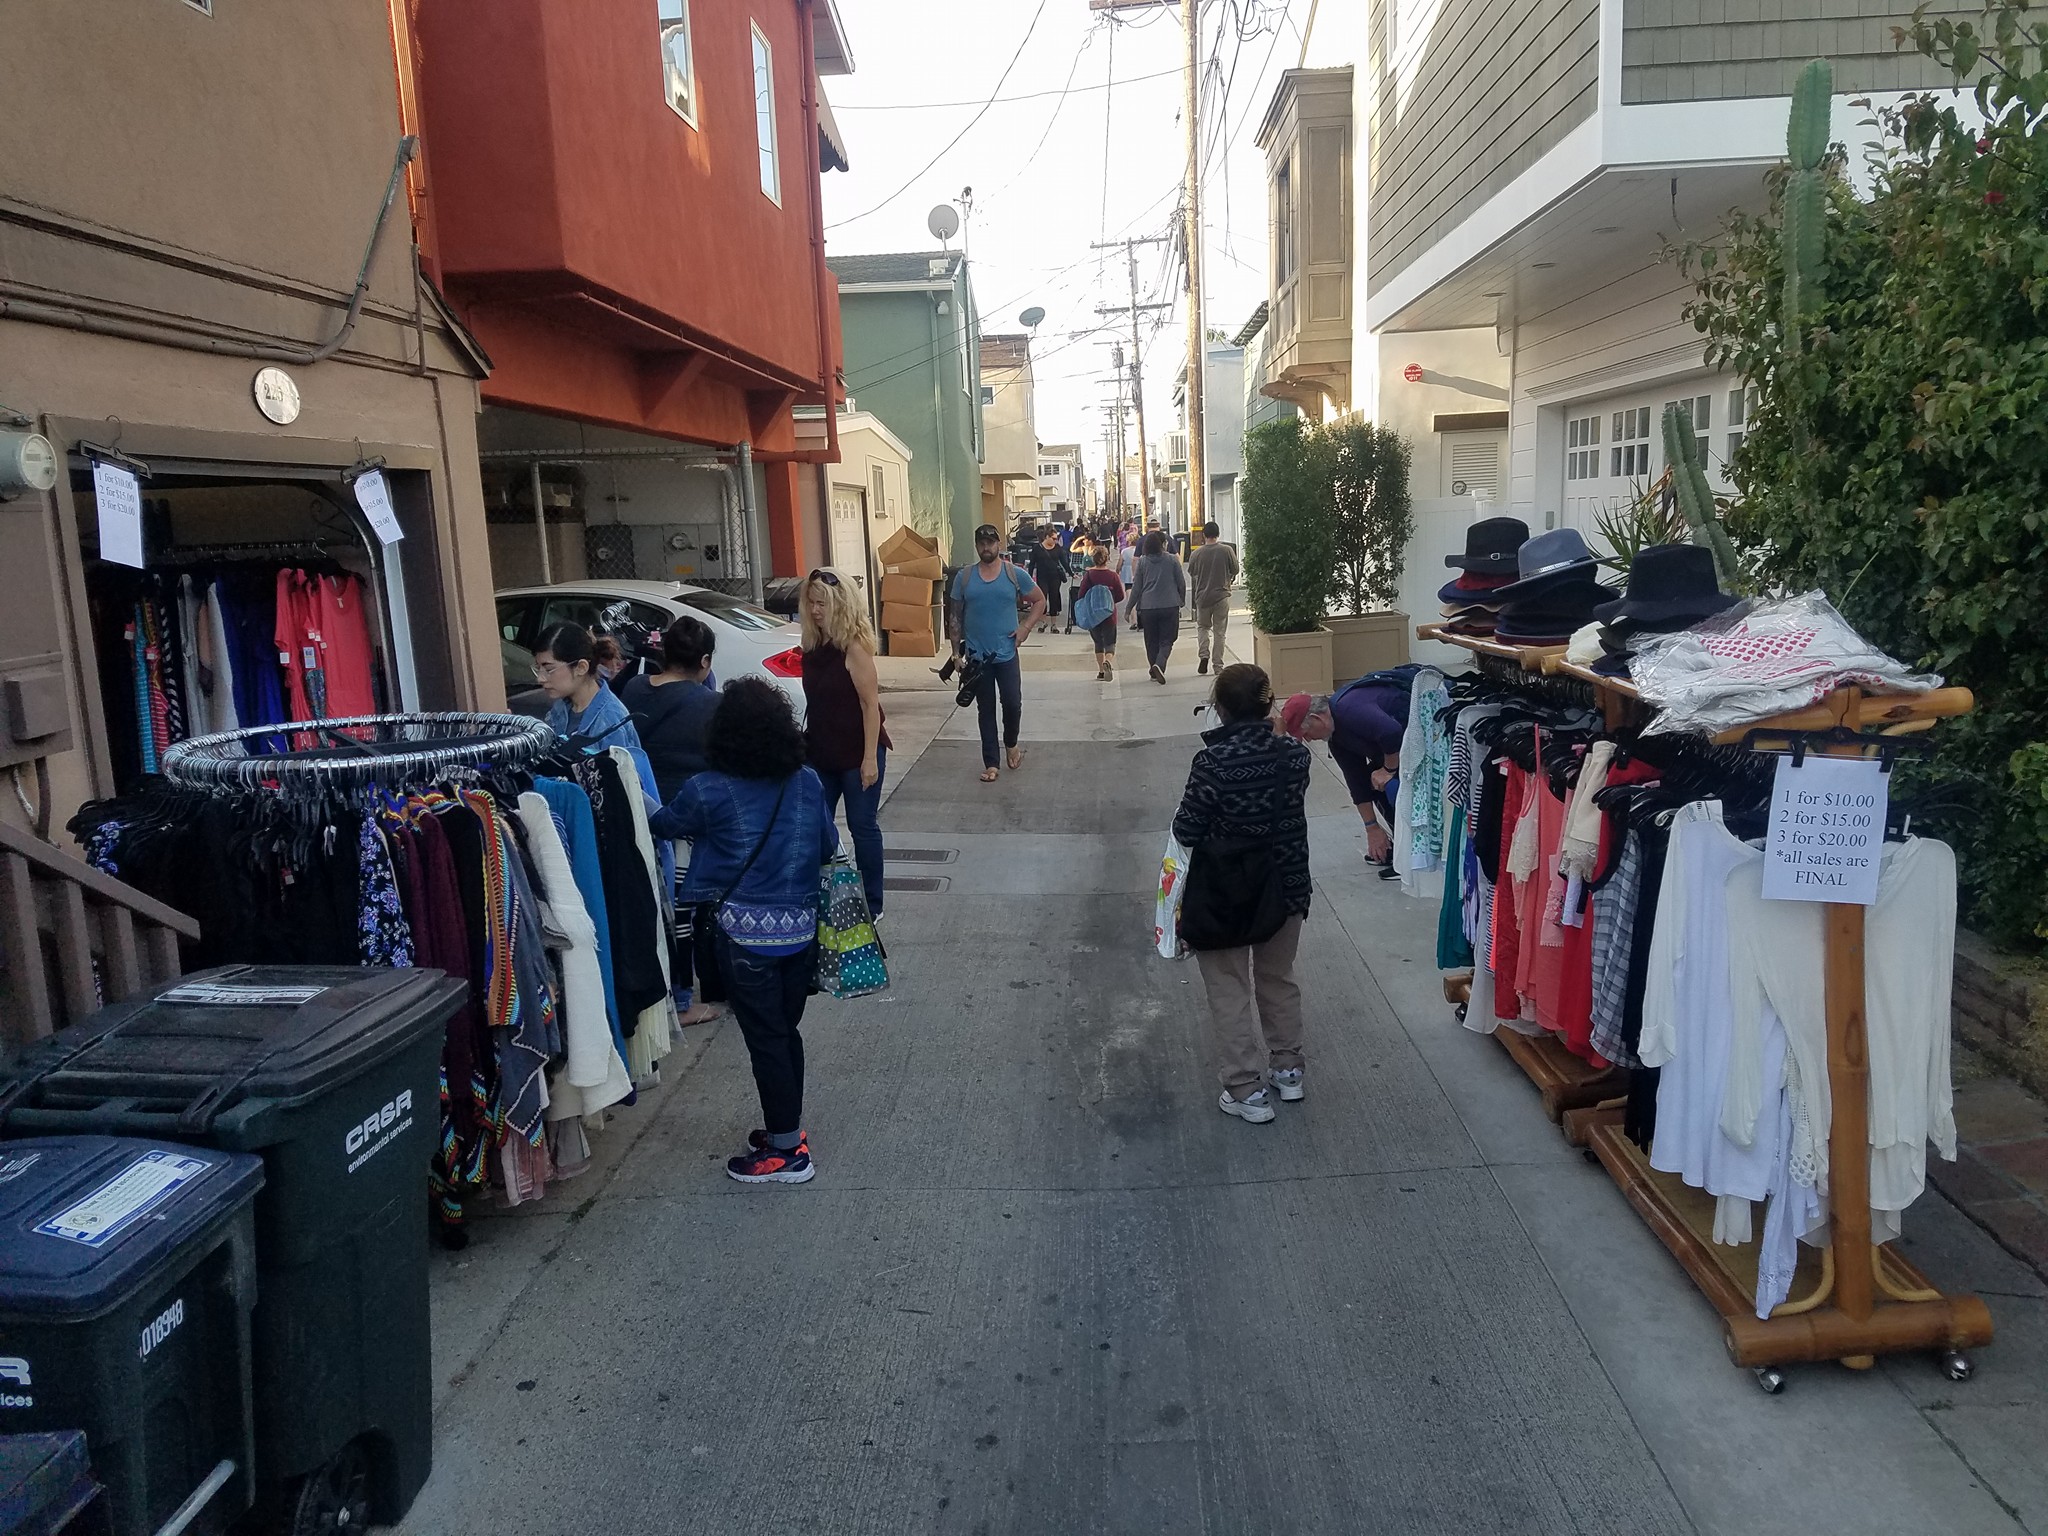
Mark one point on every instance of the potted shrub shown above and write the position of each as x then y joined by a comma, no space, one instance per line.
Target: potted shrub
1288,552
1373,520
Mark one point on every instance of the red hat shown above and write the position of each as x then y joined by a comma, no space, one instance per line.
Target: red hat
1294,714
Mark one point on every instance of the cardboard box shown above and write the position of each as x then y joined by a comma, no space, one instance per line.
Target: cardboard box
905,544
920,643
907,618
907,589
925,568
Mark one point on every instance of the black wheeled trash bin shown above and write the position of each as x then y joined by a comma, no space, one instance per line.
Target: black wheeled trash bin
332,1074
127,1274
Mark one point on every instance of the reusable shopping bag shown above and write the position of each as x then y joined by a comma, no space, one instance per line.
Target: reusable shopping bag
850,958
1173,876
1093,606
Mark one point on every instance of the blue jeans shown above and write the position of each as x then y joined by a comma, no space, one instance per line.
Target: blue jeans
863,808
1004,678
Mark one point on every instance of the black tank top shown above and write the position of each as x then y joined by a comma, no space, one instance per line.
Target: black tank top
833,733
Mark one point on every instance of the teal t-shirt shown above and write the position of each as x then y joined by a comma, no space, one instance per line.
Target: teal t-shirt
992,609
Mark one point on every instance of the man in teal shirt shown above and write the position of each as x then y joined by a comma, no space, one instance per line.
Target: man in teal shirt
990,609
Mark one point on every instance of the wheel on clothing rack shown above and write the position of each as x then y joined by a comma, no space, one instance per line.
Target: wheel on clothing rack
1769,1378
1957,1366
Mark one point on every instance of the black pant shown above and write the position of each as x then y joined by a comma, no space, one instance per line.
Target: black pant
767,993
1007,679
1162,628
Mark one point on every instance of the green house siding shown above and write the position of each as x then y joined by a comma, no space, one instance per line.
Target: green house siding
903,363
1686,50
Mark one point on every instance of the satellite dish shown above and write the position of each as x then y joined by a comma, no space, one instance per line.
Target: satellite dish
1031,317
944,222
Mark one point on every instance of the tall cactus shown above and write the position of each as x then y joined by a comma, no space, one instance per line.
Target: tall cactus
1805,231
1695,497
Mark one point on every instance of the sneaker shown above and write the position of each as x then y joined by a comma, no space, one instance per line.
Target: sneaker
757,1140
1255,1107
1288,1083
1158,674
771,1167
1202,667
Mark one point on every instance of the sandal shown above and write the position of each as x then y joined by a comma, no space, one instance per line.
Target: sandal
1016,758
989,775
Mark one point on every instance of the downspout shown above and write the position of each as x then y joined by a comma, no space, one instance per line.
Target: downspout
750,515
939,433
816,184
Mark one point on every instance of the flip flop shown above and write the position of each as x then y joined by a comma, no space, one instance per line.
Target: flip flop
1016,758
989,775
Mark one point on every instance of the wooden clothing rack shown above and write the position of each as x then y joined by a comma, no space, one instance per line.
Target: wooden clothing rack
1853,1300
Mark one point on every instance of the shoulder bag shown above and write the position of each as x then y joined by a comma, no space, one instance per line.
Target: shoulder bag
1233,896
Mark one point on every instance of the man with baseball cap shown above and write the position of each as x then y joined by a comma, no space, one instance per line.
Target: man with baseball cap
991,608
1363,723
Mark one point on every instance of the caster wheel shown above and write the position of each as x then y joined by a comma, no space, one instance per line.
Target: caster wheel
1769,1379
334,1499
1461,1012
1957,1366
1590,1156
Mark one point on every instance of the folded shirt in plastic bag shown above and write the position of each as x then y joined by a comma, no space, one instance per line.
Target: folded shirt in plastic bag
1764,657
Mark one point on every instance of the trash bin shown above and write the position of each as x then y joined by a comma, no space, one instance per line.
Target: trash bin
127,1275
332,1074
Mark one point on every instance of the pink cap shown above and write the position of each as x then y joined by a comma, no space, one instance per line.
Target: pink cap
1294,713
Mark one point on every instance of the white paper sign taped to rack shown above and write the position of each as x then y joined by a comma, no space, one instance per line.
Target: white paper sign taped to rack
373,495
117,495
1827,830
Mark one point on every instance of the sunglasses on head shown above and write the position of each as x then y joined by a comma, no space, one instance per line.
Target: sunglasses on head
829,578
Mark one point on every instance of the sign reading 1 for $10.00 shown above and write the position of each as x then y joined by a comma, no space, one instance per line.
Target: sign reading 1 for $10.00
1827,830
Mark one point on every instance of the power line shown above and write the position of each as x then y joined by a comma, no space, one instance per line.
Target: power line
931,106
1032,159
935,159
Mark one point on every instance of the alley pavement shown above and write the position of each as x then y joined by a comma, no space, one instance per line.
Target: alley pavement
1041,1284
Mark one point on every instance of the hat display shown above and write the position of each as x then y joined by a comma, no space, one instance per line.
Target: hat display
1470,587
1551,610
1547,560
1670,586
1490,545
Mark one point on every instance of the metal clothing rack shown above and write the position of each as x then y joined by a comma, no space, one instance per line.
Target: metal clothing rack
281,550
1853,1300
358,751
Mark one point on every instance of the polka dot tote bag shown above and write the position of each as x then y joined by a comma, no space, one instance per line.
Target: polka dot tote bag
851,962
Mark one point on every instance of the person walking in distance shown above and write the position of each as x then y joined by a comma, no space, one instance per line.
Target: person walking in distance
1249,784
1213,570
1159,590
983,621
1049,570
1103,630
846,736
759,834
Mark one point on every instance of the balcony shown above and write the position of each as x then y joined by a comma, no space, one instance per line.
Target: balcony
1307,138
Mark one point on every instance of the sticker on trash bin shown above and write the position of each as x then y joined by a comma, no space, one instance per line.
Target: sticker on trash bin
12,1168
125,1199
227,994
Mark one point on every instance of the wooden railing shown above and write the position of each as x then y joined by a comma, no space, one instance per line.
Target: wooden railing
73,938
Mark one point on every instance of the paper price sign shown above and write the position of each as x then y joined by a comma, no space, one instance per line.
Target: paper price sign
373,495
117,494
1827,830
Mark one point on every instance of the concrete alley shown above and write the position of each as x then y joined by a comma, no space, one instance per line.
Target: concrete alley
1040,1284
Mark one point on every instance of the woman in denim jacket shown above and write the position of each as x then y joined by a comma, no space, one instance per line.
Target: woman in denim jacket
759,833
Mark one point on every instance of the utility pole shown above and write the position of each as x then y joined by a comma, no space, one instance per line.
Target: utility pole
1198,337
1137,364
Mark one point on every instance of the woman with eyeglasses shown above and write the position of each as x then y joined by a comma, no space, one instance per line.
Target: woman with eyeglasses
585,712
845,738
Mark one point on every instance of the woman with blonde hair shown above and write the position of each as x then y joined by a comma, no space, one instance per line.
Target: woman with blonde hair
845,739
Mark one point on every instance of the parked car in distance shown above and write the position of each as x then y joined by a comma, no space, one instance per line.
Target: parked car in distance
752,642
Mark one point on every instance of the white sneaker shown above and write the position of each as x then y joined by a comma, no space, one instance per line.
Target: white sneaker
1288,1083
1257,1108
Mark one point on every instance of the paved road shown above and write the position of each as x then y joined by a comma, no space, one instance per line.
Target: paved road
1041,1285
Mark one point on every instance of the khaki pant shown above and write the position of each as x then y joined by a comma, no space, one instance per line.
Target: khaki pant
1211,619
1245,1046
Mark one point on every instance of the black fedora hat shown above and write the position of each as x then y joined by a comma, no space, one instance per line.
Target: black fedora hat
1670,586
1560,555
1554,608
1490,546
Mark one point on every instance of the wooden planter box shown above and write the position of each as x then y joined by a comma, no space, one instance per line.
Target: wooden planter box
1366,642
1294,663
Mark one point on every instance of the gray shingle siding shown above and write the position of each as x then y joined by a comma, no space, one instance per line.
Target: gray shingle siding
1707,50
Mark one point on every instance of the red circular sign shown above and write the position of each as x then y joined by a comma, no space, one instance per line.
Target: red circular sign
1412,373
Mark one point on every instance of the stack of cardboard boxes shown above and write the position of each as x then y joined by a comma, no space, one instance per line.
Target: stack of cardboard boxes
911,569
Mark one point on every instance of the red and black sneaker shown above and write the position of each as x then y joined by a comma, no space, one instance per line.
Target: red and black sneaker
768,1166
757,1139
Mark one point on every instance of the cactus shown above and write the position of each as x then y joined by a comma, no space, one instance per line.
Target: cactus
1695,498
1805,230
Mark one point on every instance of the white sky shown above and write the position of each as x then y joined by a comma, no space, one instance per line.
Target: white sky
1037,207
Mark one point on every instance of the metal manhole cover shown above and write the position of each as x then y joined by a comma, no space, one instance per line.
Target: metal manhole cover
920,855
926,883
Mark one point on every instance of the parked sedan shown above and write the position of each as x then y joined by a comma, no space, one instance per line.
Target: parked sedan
752,642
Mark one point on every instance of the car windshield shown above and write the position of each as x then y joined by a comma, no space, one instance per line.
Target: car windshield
736,611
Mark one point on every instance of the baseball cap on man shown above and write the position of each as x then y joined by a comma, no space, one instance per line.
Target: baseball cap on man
988,533
1295,712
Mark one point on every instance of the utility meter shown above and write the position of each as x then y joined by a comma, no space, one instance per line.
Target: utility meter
27,461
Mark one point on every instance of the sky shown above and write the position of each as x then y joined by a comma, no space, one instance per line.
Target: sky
1073,164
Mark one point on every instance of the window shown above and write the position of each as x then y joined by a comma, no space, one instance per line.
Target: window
881,498
727,609
1698,410
1283,222
1741,406
1631,452
988,394
678,66
1582,448
764,117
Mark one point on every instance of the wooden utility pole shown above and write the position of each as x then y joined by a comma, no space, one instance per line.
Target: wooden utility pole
1137,354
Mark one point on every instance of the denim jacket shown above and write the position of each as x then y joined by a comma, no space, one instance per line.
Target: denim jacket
723,818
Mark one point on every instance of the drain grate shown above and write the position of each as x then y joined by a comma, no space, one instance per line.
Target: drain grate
921,855
929,884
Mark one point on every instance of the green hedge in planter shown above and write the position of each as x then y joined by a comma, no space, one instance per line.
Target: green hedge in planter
1289,526
1373,516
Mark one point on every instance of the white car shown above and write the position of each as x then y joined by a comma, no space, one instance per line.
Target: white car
751,641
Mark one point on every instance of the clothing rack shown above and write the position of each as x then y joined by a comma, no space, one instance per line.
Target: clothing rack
283,551
359,751
1854,1300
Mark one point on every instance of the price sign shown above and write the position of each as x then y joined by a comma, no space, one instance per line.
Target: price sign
117,496
373,495
1827,830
